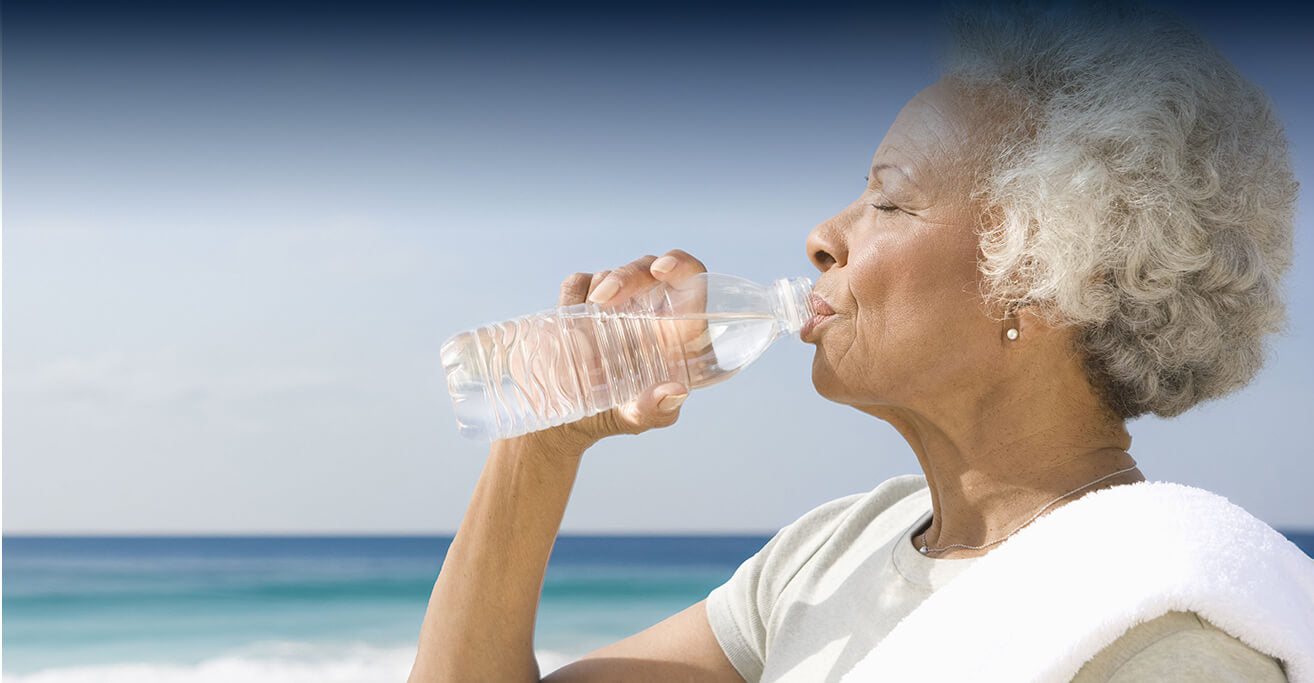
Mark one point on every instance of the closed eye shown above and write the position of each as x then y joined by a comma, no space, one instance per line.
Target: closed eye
888,208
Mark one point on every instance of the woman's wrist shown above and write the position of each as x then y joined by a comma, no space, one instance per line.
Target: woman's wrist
557,443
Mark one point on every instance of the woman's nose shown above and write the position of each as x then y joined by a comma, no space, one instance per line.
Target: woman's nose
825,243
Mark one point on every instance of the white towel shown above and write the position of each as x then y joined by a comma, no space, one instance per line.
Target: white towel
1048,599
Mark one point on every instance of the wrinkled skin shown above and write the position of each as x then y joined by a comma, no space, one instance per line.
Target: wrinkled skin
1001,426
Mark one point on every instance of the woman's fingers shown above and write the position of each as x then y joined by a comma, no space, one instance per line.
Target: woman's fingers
675,266
624,282
658,405
574,289
596,280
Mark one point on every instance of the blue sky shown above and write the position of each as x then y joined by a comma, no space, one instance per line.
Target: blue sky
235,237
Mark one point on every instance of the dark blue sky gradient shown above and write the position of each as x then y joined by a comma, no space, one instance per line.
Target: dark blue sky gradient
236,233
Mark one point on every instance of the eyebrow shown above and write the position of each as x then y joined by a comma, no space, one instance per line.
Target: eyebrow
879,168
904,176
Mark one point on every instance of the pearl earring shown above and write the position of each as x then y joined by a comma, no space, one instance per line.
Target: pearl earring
1011,334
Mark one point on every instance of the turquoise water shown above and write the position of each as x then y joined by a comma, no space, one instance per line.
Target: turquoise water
221,610
291,609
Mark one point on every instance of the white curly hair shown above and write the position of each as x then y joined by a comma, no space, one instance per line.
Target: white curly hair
1144,194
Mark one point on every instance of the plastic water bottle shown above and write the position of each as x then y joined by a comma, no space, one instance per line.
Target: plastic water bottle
563,364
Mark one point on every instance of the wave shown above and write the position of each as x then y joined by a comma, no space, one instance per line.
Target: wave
264,663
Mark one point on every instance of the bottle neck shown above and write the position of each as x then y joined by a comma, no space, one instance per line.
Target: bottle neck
791,302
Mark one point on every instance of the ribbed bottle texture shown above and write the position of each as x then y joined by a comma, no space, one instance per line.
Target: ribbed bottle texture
558,366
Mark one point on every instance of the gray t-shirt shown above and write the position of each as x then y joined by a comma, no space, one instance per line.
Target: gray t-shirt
829,587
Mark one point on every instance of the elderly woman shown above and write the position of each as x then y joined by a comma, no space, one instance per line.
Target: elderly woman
1082,222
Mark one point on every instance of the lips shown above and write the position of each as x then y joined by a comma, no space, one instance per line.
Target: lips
822,311
819,305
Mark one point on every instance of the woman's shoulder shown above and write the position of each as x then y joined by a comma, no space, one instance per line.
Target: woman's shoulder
904,497
740,610
887,509
886,495
1179,646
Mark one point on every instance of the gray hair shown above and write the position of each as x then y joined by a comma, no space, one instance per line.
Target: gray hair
1143,193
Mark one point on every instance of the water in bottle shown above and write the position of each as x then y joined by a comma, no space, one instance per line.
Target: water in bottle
564,364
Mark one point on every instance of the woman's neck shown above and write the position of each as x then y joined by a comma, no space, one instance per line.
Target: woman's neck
990,471
974,511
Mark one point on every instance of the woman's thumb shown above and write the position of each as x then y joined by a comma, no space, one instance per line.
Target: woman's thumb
659,406
669,396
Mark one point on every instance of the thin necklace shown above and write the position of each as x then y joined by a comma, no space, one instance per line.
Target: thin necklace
1003,538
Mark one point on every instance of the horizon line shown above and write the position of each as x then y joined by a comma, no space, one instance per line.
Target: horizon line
376,534
1308,531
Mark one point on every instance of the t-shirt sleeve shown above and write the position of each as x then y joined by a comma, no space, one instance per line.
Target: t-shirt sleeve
1202,656
739,610
1180,646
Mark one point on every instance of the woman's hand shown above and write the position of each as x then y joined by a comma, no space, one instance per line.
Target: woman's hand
657,405
480,622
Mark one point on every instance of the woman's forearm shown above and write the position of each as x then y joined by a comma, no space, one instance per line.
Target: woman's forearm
480,620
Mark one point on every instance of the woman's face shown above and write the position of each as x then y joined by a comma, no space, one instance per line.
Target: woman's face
899,268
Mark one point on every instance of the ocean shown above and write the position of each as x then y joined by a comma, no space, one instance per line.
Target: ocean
323,609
